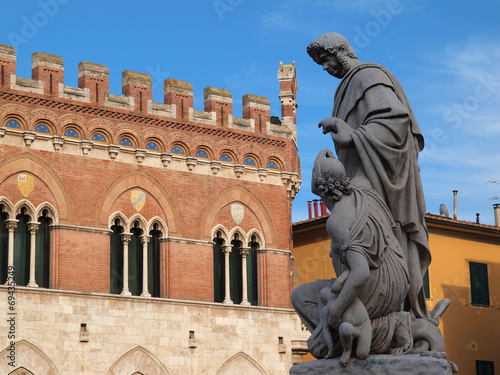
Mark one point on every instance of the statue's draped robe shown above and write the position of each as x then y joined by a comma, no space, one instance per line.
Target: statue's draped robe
371,235
387,141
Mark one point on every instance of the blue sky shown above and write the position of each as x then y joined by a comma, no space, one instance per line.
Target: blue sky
446,55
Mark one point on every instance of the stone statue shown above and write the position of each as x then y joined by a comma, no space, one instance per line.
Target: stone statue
364,303
378,139
379,245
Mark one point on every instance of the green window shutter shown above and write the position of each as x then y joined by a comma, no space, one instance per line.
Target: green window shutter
22,241
235,273
219,272
154,263
4,248
116,260
485,368
42,256
252,273
425,280
479,284
135,263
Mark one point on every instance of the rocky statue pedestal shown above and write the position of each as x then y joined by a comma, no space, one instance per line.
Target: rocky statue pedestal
379,365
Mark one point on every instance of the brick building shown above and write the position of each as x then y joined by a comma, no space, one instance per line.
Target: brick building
145,237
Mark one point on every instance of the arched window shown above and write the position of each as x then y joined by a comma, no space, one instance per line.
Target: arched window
42,254
100,137
135,261
219,273
116,259
43,129
154,262
153,146
226,157
72,132
252,282
273,165
235,271
178,150
13,123
250,161
202,153
126,142
4,247
22,243
21,371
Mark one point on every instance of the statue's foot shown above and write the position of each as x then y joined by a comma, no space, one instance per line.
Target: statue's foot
344,359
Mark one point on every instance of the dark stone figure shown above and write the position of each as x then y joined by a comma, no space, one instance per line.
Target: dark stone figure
379,246
377,139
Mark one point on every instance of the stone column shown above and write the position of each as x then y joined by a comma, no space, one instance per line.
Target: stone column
33,227
11,226
144,242
126,237
226,249
244,252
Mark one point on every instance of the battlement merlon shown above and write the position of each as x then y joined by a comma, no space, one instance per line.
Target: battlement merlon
139,86
93,88
287,76
219,101
95,78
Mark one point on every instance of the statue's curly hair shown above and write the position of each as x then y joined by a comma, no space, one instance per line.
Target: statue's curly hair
329,178
331,43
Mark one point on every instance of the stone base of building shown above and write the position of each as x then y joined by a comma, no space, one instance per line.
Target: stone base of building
378,365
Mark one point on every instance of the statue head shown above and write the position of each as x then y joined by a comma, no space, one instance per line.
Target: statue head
329,178
333,52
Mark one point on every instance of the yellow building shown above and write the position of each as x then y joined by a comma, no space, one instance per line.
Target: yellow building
465,268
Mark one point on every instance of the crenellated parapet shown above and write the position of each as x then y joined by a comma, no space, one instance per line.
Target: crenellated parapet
93,89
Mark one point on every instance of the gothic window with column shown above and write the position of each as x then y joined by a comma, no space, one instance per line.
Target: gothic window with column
219,274
235,270
22,245
154,261
116,258
4,246
253,297
135,261
42,259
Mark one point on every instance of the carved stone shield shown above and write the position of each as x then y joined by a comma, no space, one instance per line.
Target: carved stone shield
26,183
237,212
138,198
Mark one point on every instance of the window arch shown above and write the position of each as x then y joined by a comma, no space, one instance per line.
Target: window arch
203,153
4,246
154,283
250,161
72,132
226,157
126,141
252,281
100,137
274,165
21,371
116,258
178,149
135,260
219,270
42,254
13,123
236,270
22,245
44,128
153,145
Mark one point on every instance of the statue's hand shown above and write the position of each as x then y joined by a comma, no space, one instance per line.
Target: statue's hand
341,132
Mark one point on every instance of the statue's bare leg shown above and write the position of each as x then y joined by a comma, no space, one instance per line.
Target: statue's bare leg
364,338
346,332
